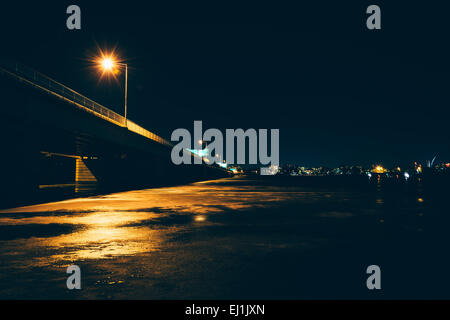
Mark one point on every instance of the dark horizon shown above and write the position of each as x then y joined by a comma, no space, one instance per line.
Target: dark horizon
339,93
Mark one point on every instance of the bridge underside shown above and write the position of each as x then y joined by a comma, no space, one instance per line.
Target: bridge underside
47,141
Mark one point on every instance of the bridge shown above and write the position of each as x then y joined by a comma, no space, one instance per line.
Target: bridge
52,135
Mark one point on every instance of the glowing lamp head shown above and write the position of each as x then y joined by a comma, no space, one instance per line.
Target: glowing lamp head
107,64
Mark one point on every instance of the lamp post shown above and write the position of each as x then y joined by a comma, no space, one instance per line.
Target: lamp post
108,64
126,91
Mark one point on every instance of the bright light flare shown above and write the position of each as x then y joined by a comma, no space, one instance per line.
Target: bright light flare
108,64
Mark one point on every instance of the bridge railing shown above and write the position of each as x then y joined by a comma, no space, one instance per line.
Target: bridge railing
143,132
41,81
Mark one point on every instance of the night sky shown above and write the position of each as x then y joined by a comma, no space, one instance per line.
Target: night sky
338,92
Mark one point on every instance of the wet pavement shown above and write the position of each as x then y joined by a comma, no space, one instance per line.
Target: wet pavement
235,238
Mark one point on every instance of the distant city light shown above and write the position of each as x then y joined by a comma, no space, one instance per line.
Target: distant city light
223,165
379,169
376,171
201,153
272,170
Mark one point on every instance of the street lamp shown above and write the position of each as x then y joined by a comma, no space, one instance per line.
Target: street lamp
108,64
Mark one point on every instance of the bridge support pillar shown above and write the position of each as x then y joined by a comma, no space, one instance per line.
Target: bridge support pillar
84,178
